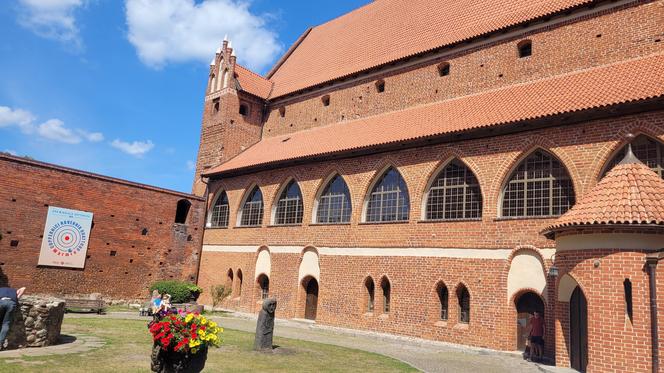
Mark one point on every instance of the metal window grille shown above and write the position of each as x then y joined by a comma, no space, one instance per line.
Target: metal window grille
454,194
289,207
647,150
385,285
252,211
220,211
464,305
444,301
370,295
540,186
334,205
389,199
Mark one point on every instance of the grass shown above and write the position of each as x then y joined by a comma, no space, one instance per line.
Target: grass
128,345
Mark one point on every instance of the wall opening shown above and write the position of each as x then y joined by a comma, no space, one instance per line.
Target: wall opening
525,48
463,297
370,291
629,311
182,211
380,86
387,294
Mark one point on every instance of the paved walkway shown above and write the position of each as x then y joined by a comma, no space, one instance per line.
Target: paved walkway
69,344
424,355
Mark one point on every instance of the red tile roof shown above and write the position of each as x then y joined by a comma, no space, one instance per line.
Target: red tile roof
252,82
632,80
631,193
387,30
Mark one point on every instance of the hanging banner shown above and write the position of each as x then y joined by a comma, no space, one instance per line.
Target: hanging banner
66,236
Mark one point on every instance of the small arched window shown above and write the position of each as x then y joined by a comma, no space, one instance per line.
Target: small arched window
464,304
380,86
386,288
264,284
289,207
220,212
182,211
454,194
325,100
244,109
540,186
239,282
370,289
389,199
334,205
252,209
444,69
525,48
647,150
629,309
229,279
443,299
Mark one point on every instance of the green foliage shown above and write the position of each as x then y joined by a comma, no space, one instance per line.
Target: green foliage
219,293
180,291
195,289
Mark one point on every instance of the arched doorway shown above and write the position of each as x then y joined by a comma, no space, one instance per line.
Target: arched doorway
578,330
526,304
311,304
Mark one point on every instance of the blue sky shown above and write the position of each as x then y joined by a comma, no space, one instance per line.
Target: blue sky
116,87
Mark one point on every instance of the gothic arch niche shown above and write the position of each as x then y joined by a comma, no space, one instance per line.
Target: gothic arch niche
308,278
240,279
526,272
539,185
526,302
369,295
452,193
646,148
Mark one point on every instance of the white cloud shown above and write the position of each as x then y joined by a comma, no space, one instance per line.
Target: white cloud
164,31
52,19
136,148
53,129
11,152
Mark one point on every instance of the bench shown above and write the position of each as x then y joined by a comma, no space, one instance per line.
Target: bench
94,305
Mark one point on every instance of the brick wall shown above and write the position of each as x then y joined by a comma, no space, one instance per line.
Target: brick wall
121,211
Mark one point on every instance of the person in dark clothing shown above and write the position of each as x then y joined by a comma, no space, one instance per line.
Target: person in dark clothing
8,302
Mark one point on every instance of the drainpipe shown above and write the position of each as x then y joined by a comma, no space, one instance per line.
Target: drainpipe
651,263
205,216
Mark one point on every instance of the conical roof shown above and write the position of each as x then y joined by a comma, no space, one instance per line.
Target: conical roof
629,194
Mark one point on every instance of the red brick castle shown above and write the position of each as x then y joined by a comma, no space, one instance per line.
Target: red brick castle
443,169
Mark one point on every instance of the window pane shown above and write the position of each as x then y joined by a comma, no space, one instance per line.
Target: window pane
220,211
454,194
647,150
252,210
290,207
334,205
389,199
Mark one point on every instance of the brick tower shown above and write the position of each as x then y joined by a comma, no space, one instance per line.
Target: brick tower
232,117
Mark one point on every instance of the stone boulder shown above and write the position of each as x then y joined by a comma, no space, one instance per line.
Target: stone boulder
37,322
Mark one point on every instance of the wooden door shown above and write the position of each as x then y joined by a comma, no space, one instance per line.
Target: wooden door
312,300
578,330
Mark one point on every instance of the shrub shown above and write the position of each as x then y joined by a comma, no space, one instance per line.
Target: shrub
180,291
218,294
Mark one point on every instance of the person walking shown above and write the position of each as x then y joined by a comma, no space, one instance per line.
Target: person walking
536,336
8,302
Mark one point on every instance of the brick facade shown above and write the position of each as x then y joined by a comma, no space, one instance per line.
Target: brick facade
121,262
417,254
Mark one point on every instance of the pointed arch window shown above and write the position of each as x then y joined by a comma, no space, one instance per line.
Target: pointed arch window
370,288
443,299
239,280
454,194
387,294
264,283
229,279
647,150
463,297
540,186
289,207
220,211
252,209
388,200
334,205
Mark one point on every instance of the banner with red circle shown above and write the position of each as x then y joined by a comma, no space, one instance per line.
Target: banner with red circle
66,235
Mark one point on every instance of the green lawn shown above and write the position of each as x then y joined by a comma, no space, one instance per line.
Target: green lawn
128,346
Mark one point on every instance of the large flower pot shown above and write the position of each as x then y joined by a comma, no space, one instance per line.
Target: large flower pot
168,361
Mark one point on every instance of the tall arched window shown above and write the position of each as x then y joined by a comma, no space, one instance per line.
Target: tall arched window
334,205
229,279
289,207
385,286
443,298
252,209
264,284
647,150
388,200
239,281
219,213
540,186
370,288
454,194
463,297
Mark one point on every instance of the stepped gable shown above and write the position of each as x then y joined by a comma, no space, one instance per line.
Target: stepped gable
631,193
633,80
381,32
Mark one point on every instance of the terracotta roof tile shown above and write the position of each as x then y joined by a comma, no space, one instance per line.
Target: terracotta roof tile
381,32
252,82
630,193
632,80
